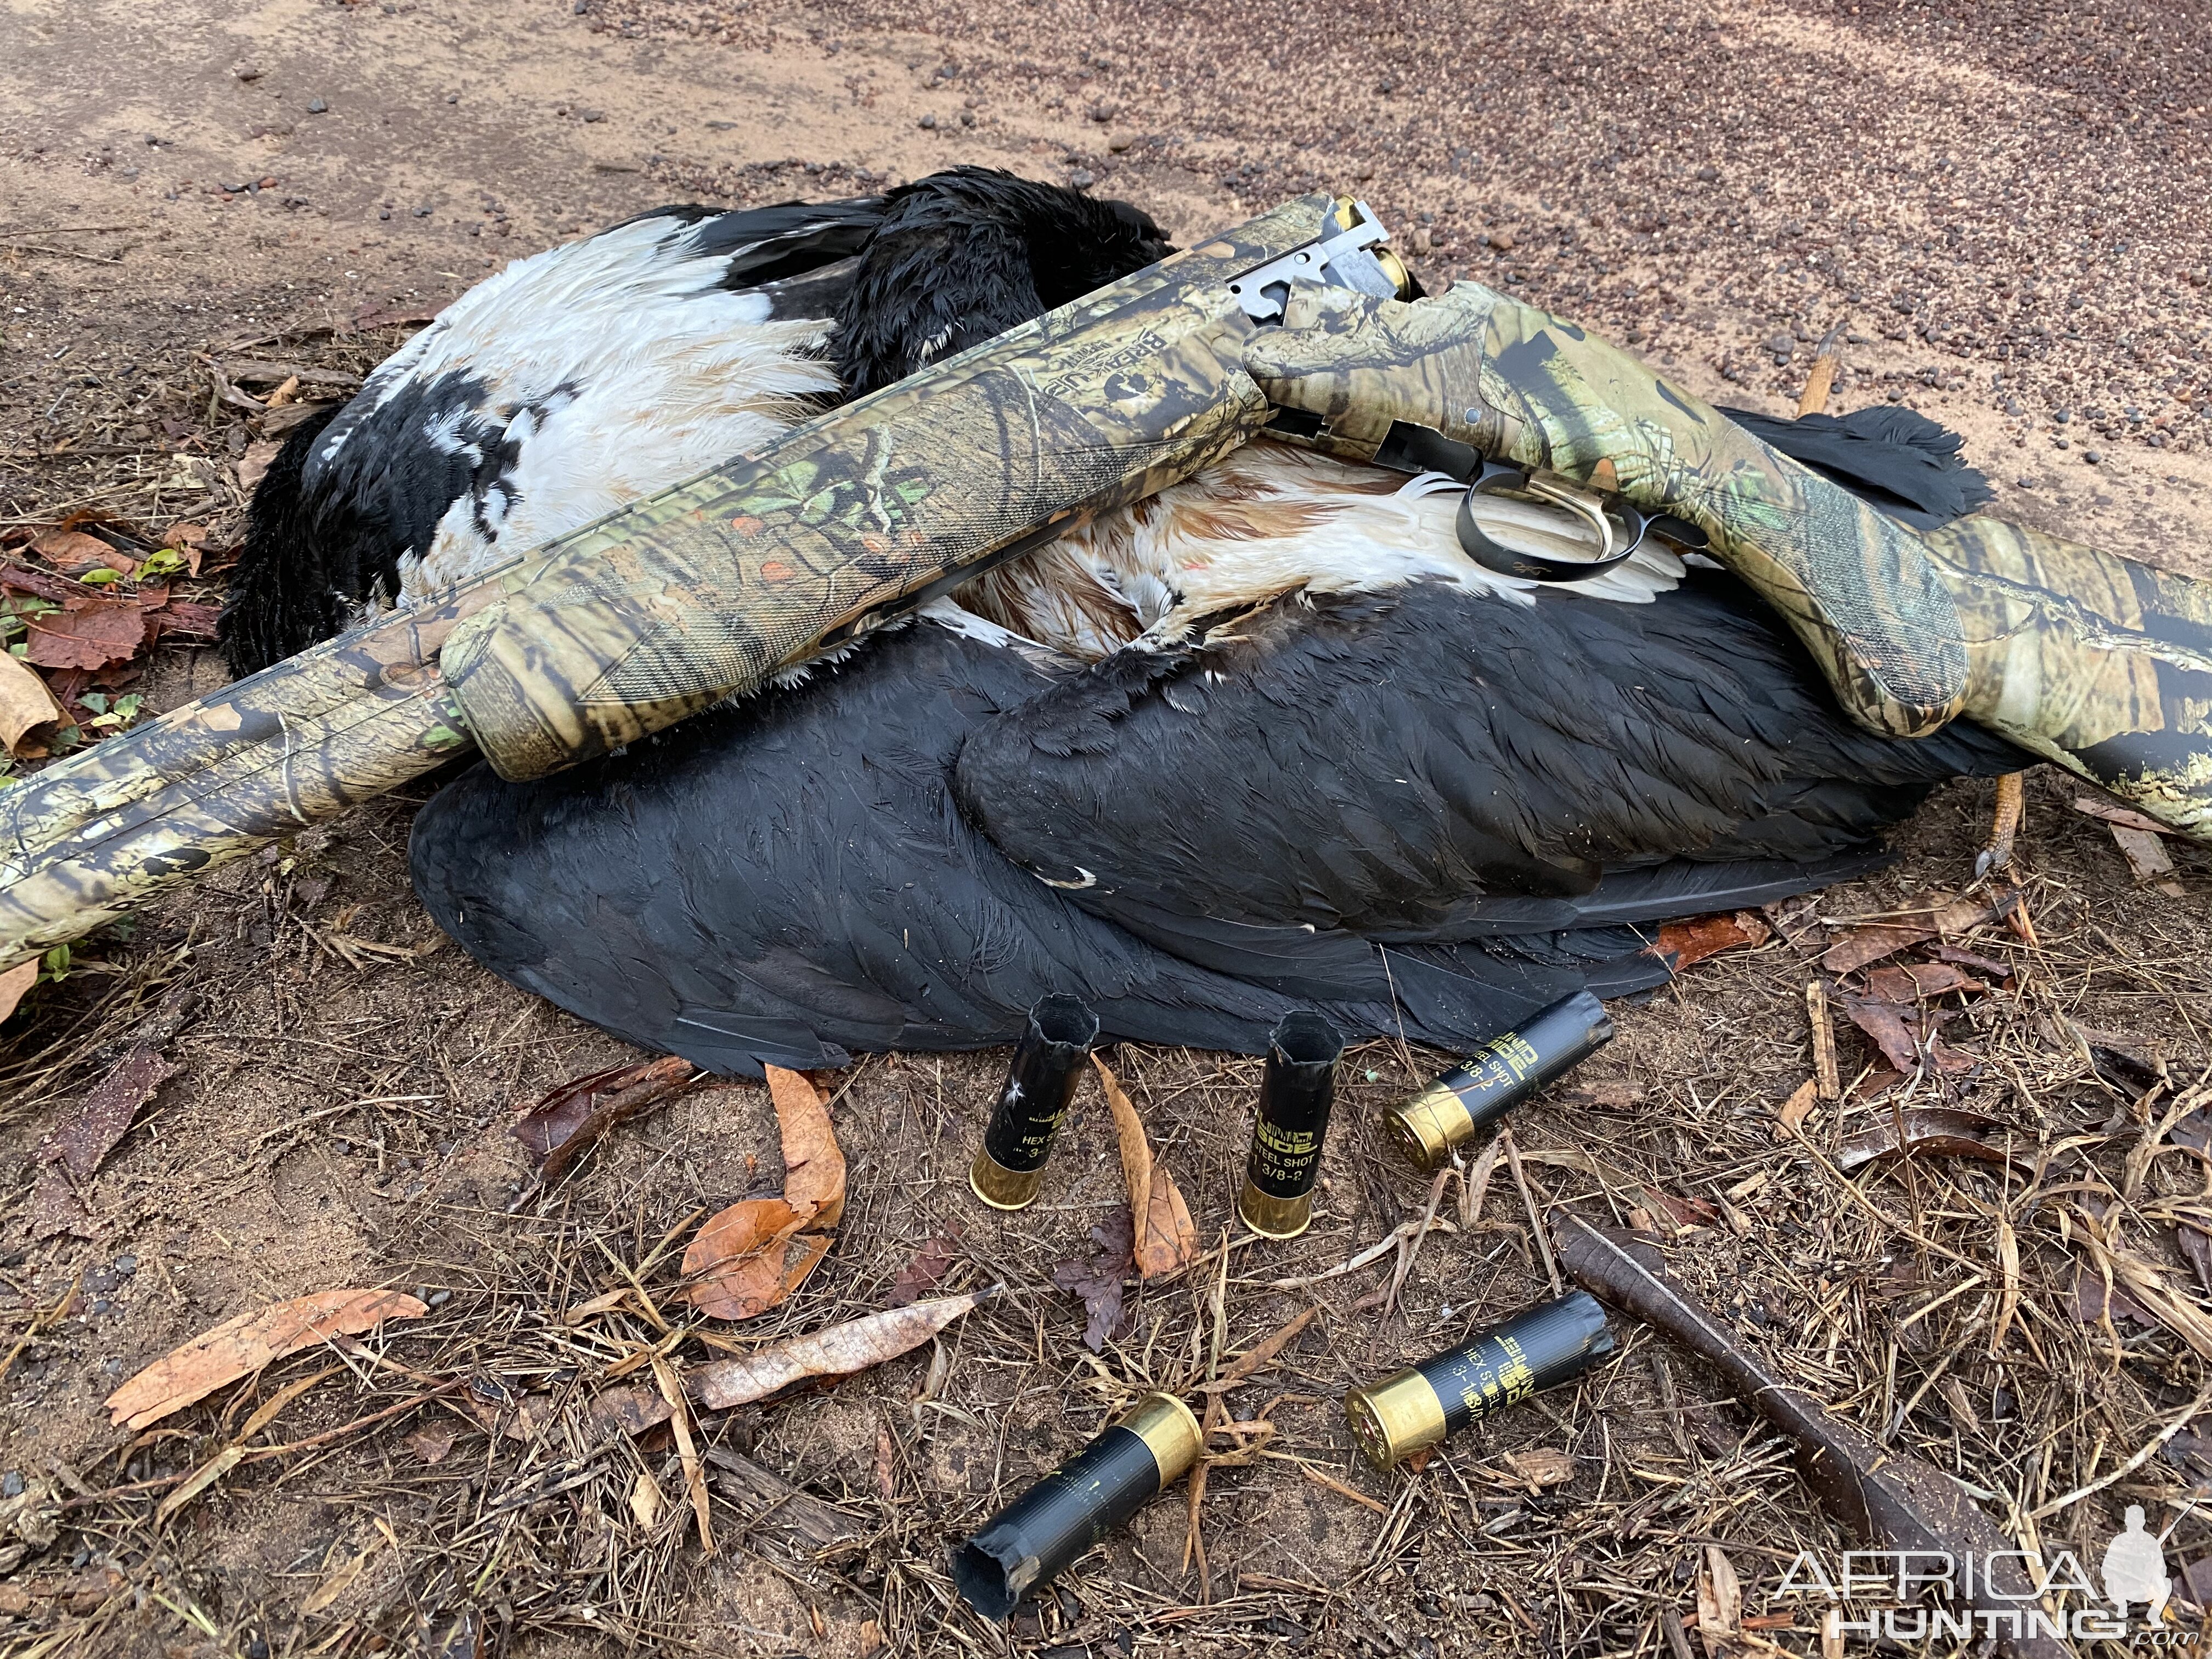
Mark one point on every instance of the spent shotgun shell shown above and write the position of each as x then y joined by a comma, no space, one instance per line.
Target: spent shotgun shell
1289,1126
1540,1349
1471,1099
1056,1522
1048,1062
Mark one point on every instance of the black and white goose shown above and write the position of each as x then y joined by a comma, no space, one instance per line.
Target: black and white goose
1268,739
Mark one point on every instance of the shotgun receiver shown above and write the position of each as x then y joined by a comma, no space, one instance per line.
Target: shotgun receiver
707,589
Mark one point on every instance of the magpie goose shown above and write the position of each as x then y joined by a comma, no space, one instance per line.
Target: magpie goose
1268,739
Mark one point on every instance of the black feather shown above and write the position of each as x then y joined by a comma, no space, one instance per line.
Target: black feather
1897,457
280,600
971,252
1429,765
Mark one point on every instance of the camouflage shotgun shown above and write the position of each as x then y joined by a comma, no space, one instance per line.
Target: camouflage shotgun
663,609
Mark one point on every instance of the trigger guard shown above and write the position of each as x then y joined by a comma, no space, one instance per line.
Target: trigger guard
1496,478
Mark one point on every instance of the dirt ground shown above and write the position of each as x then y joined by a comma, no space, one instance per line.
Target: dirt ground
2002,207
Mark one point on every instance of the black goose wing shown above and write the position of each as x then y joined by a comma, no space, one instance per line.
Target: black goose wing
789,881
1428,765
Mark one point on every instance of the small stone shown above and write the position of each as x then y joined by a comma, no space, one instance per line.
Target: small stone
1780,345
966,117
928,122
101,1304
439,1299
592,114
2024,482
2093,456
247,72
381,213
2062,415
126,1265
583,6
1709,175
422,213
11,1485
1081,178
452,97
317,107
1500,240
1119,141
1105,112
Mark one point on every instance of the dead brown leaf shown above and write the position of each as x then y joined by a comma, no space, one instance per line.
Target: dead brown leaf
16,983
74,1151
1946,917
1165,1236
87,634
27,707
1793,1112
254,466
748,1257
1683,943
1098,1281
1871,943
2090,1304
1909,983
1543,1467
926,1271
431,1446
239,1348
839,1351
1904,1034
2198,1248
626,1409
1930,1132
813,1167
567,1122
72,552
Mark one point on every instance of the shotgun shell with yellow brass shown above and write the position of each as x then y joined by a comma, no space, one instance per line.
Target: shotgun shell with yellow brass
1470,1098
1290,1125
1056,1522
1048,1063
1540,1349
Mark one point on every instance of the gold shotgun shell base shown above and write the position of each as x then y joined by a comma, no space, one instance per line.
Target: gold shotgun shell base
1430,1124
1001,1187
1170,1429
1271,1217
1395,1419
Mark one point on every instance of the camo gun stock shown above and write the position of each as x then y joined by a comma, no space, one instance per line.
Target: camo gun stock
666,607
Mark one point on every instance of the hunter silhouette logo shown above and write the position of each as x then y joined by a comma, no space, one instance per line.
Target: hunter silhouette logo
2135,1569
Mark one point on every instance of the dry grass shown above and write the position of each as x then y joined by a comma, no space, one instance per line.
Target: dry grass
1881,1292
